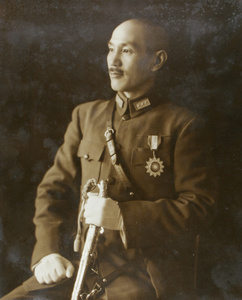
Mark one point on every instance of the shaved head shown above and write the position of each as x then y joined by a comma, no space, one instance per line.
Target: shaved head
154,36
137,50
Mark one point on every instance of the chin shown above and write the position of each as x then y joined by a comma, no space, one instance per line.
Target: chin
116,87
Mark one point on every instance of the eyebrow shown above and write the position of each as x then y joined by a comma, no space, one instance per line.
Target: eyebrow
133,45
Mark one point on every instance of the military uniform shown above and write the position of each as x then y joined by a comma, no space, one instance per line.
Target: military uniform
163,213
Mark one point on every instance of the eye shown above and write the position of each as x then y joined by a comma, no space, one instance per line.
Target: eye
110,49
127,50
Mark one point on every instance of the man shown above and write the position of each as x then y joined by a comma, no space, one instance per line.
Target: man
161,184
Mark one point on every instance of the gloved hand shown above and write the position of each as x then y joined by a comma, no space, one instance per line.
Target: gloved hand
103,212
53,268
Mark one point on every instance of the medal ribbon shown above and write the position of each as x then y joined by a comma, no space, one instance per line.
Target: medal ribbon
154,142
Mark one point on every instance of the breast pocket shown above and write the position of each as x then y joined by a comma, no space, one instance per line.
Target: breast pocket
141,155
91,154
155,184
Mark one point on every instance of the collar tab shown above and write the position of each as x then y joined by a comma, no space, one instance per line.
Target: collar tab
138,105
119,101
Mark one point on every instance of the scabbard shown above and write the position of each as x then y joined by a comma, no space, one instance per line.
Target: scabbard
88,250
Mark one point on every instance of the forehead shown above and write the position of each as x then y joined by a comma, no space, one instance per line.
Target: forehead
130,33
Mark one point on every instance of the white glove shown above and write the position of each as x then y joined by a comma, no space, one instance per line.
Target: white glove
53,268
103,212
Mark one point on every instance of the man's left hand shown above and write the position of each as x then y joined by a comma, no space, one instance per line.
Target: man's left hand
103,212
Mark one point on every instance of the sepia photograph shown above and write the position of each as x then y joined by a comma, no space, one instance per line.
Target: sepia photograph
120,156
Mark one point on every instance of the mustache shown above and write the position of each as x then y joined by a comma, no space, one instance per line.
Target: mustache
116,70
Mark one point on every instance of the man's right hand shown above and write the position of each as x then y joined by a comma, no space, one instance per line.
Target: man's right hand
53,268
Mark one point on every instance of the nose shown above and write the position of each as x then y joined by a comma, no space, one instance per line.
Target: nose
114,59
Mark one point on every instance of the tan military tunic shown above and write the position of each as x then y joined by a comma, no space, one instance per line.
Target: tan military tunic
162,214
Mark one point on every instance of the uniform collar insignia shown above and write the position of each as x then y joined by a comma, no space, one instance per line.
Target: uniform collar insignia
134,106
138,105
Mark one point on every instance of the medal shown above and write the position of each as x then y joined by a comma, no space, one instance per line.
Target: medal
154,165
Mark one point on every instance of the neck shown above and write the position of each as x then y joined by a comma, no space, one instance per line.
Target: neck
140,92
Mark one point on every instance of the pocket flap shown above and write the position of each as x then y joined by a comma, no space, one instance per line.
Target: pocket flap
90,150
140,156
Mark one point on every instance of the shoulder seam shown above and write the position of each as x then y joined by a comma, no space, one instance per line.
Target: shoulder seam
186,125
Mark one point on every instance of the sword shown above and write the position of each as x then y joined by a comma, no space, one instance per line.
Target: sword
90,242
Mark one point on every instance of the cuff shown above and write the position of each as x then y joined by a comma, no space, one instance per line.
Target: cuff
44,258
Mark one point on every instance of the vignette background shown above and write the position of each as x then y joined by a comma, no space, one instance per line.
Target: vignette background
53,57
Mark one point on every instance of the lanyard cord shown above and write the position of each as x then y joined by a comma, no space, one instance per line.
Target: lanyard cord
109,135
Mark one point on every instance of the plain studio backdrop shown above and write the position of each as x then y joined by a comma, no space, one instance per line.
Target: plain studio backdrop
53,57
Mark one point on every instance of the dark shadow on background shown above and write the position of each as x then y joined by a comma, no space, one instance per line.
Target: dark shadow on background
53,57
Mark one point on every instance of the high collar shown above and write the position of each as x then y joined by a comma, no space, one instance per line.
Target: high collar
132,107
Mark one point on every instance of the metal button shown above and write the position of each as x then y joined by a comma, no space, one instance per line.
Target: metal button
131,194
111,180
86,156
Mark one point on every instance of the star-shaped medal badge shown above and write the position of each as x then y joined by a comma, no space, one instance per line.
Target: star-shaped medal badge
154,166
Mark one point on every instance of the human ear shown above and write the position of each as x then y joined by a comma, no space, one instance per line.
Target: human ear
160,59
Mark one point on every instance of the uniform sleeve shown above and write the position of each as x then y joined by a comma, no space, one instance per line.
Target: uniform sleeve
153,223
58,196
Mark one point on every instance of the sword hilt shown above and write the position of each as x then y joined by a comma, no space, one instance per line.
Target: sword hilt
103,188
